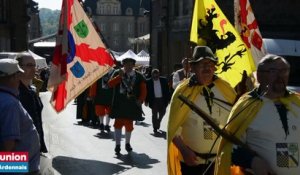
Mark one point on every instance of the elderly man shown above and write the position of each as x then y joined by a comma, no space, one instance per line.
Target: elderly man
17,132
129,94
267,120
190,139
28,94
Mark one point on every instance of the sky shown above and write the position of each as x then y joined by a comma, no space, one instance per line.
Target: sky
50,4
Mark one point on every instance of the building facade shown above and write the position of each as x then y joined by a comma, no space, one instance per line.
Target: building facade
17,19
119,20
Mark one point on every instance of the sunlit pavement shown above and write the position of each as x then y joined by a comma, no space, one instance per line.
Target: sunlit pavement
77,149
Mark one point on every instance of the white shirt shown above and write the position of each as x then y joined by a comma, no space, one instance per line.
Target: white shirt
176,78
157,89
196,133
266,136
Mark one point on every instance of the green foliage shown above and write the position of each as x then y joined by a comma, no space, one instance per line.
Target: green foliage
49,21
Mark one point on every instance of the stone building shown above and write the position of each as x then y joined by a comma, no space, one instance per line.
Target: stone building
119,20
17,19
13,25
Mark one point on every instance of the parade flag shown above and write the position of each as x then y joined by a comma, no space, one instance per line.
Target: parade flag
246,25
80,56
210,27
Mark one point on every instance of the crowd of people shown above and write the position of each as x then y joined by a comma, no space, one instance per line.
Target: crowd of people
263,122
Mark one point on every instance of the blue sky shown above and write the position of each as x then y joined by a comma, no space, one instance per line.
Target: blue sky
50,4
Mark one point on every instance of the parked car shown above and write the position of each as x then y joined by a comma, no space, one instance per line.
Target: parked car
290,50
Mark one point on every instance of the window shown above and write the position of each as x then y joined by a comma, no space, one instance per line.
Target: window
115,27
142,27
129,27
129,11
3,11
108,10
115,10
101,10
102,27
142,11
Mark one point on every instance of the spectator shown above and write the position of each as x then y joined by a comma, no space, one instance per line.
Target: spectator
28,94
17,131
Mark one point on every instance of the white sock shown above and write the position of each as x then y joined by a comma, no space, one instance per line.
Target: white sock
101,119
127,137
107,120
118,134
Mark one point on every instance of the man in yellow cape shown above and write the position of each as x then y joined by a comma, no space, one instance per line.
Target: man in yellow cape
179,112
245,111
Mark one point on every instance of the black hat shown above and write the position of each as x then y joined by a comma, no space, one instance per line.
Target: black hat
202,52
126,60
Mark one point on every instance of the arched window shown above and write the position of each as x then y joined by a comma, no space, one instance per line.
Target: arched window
108,10
129,11
142,11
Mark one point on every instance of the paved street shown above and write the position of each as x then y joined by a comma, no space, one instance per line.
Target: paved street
82,150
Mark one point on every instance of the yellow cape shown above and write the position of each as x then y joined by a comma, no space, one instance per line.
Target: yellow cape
244,111
179,112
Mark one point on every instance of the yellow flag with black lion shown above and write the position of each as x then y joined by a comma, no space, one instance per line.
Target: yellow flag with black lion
210,27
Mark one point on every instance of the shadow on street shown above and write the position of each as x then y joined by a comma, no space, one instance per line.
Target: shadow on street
134,159
65,165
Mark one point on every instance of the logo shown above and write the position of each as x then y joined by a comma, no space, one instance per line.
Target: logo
82,29
14,162
287,155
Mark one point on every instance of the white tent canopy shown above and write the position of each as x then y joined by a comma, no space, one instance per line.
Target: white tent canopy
140,60
116,54
143,53
128,54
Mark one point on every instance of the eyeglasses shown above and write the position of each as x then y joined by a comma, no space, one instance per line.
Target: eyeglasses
206,65
28,65
275,71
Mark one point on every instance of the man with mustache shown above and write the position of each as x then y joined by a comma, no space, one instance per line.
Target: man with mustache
267,120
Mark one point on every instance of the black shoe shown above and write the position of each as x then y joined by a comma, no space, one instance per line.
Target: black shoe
101,127
128,147
117,149
107,128
155,131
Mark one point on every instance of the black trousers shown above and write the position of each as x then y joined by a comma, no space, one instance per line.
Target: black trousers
197,170
158,112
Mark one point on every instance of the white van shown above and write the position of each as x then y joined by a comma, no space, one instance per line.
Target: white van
290,50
